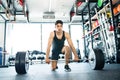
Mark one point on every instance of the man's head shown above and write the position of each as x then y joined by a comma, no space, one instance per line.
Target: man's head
59,25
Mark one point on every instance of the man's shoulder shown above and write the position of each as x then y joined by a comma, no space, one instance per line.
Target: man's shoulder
66,34
52,33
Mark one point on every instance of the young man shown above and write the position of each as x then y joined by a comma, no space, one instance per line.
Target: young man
56,39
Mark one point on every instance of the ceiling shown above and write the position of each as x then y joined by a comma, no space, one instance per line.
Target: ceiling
59,9
44,10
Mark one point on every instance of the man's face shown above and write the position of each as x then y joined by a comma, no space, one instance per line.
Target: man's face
59,27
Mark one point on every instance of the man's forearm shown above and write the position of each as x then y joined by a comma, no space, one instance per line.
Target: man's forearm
74,51
47,53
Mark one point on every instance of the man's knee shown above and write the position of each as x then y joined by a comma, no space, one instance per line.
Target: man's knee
67,48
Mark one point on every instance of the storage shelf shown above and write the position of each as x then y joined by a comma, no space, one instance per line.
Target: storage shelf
100,11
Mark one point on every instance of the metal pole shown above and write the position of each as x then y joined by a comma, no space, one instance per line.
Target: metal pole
69,26
84,33
2,16
41,36
4,45
90,24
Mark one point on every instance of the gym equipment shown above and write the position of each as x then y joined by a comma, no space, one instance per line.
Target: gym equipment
78,50
62,57
11,60
0,55
118,8
21,2
2,58
100,2
21,62
115,11
106,34
96,61
41,57
108,14
10,10
36,56
111,28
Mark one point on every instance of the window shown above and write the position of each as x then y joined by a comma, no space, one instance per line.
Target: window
23,37
76,34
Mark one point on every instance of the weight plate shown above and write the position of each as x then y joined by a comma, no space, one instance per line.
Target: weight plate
96,59
22,62
17,63
27,62
92,56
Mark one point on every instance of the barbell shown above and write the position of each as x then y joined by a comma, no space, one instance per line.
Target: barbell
96,60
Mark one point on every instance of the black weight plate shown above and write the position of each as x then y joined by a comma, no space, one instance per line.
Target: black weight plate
17,63
100,61
21,66
96,59
92,56
24,66
27,63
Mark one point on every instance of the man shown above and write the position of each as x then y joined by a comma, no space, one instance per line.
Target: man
56,39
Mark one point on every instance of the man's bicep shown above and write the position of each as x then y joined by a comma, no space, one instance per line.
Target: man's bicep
69,40
50,40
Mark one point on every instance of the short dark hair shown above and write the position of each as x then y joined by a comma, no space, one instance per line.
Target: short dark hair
59,21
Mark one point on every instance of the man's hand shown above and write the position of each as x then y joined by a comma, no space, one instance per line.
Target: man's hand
47,60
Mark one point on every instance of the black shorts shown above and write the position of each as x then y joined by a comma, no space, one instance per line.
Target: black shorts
55,55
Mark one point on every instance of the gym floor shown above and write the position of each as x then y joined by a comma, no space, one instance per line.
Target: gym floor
80,71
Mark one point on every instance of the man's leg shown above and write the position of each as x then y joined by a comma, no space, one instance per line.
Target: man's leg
54,59
53,64
66,51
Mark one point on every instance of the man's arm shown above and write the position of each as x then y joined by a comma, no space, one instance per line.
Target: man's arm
49,44
71,44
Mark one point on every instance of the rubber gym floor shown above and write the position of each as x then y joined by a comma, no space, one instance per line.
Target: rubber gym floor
80,71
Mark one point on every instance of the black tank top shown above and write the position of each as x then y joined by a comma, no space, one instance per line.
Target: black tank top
58,44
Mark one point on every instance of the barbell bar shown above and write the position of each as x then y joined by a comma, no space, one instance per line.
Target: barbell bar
96,60
4,52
